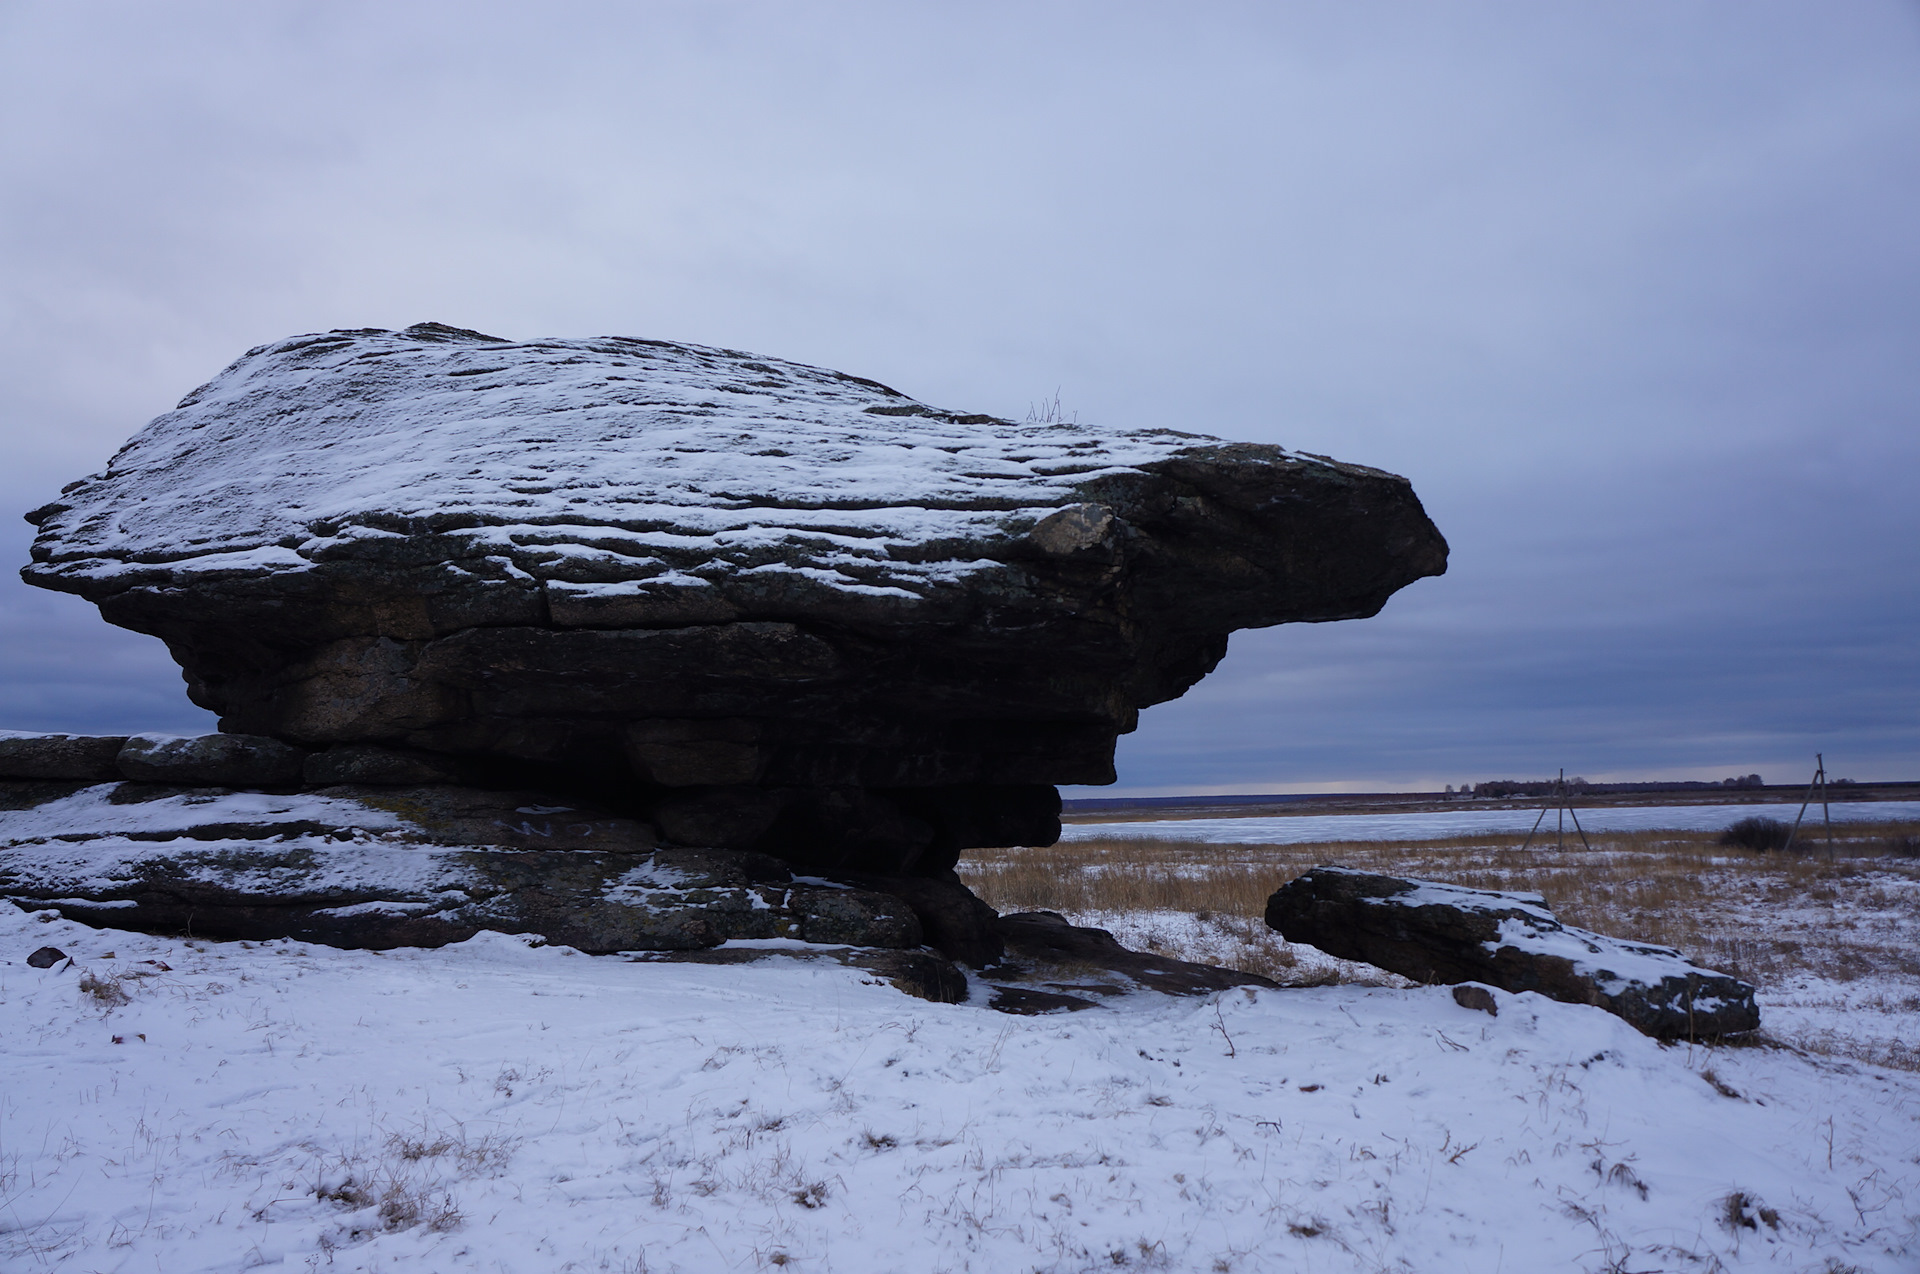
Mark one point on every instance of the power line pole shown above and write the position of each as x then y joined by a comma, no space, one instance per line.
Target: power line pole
1826,812
1562,808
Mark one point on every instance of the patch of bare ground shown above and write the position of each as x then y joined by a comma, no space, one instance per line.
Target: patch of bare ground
1830,935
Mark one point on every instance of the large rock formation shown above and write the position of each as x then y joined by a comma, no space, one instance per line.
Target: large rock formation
1434,932
758,604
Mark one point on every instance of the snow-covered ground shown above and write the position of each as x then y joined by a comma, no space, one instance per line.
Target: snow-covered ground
492,1106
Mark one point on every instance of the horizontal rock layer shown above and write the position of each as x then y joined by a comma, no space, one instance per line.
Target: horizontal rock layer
846,829
383,868
1434,932
426,866
642,567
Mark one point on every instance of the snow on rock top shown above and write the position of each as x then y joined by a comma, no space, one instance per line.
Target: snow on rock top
535,450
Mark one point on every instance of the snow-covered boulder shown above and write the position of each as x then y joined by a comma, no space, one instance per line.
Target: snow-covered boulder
1433,932
664,568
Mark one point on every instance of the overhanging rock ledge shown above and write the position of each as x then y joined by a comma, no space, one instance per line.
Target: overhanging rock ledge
760,605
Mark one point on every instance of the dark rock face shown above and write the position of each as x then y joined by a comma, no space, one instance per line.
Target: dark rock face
855,917
955,920
238,760
386,867
377,766
60,756
761,605
383,867
1432,932
1048,937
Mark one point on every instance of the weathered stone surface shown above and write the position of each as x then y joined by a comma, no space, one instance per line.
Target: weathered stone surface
1433,932
381,867
1048,937
1478,998
857,917
358,866
419,867
956,922
386,767
225,760
45,958
757,604
59,756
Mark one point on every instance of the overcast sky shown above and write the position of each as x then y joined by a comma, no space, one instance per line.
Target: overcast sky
1630,291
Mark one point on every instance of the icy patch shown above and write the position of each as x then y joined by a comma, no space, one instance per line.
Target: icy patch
91,812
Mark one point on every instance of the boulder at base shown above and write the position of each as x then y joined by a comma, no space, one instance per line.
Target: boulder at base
1434,932
59,756
389,867
761,605
381,867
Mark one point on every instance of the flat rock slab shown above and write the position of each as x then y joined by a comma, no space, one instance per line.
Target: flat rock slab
385,867
375,867
1439,933
238,760
217,760
1024,1001
84,757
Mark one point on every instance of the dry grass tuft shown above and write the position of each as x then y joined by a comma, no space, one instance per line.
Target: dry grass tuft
1839,912
105,989
407,1184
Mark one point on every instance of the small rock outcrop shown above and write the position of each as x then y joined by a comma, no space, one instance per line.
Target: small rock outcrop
1047,941
1434,932
756,605
87,757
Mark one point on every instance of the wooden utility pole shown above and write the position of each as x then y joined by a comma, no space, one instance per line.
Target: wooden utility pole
1826,813
1562,808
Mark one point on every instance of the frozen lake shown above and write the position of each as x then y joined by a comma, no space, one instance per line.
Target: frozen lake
1306,828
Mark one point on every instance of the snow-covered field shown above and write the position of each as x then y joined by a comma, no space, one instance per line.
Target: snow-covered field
1303,829
492,1106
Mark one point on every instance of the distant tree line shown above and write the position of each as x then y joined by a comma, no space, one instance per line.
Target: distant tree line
1503,788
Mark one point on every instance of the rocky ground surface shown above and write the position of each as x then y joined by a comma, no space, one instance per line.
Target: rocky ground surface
385,867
